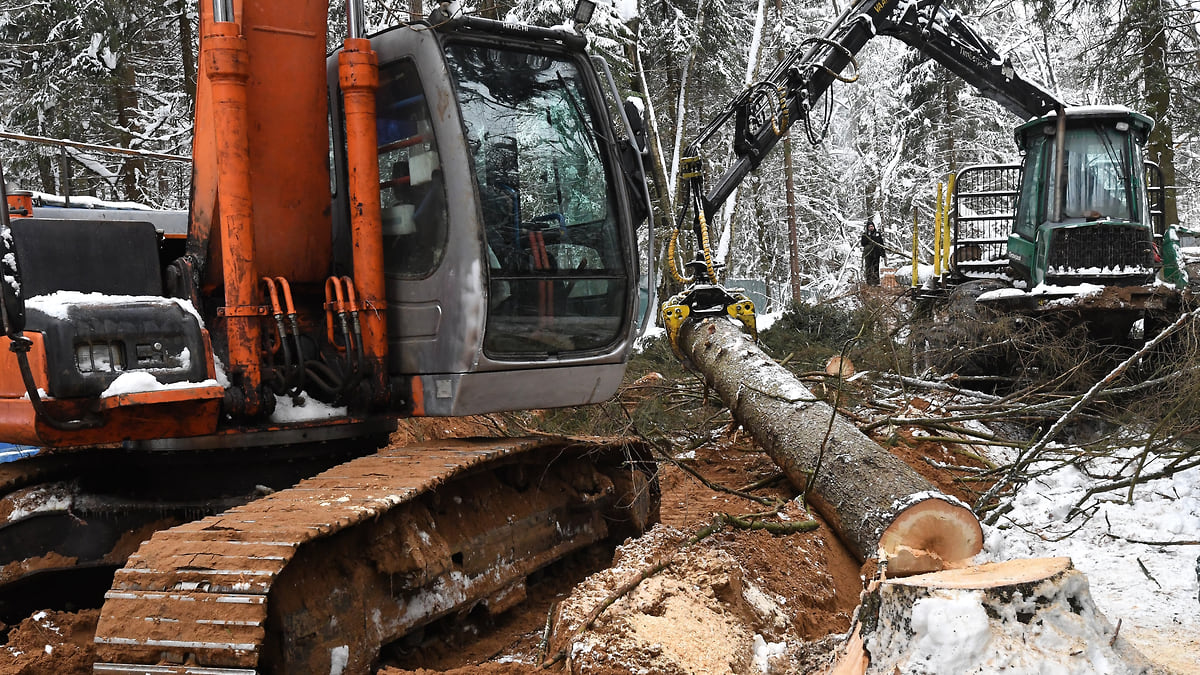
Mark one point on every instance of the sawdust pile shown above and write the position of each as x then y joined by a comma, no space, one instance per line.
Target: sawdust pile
707,612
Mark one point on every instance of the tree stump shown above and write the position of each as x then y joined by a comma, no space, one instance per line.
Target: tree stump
1016,617
877,504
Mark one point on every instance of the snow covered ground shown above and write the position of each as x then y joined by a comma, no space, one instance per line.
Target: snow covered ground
1151,588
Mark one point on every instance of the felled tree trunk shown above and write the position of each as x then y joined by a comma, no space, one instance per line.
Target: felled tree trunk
1020,616
875,502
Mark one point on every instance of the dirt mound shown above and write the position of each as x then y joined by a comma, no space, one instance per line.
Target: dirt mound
735,602
51,643
418,429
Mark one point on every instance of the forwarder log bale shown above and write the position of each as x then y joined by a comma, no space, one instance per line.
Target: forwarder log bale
875,502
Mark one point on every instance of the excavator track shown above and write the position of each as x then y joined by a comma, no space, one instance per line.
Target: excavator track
318,577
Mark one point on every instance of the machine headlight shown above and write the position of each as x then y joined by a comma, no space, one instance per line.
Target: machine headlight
100,357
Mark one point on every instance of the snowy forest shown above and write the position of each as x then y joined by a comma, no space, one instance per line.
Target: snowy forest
121,73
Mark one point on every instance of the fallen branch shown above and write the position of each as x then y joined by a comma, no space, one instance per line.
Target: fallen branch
764,482
1186,542
765,501
1031,454
938,386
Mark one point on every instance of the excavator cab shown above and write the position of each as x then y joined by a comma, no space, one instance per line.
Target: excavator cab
437,220
509,234
1085,217
508,206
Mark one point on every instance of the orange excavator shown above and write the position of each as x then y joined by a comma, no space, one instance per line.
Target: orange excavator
438,220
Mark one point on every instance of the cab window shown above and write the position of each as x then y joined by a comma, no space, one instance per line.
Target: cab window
557,277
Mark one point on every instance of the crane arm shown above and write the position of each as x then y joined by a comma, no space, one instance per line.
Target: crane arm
762,112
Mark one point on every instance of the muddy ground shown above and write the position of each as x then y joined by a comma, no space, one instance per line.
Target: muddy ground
740,601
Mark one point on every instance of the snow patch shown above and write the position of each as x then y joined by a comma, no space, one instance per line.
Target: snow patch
949,632
765,651
58,305
140,381
925,274
339,657
1000,293
305,410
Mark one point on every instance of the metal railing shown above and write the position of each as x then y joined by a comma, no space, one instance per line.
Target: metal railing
982,212
164,179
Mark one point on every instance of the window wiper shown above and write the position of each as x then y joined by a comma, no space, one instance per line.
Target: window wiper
1112,153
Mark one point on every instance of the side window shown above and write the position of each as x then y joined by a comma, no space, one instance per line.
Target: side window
411,190
1032,179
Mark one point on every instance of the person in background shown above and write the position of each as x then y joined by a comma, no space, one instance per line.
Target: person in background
872,245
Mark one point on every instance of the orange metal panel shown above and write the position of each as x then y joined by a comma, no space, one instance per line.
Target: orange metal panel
136,417
16,422
167,413
203,211
289,137
11,384
151,398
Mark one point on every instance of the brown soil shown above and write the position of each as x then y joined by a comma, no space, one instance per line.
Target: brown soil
812,583
919,453
51,643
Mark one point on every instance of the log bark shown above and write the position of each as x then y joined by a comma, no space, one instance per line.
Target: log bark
1020,617
879,506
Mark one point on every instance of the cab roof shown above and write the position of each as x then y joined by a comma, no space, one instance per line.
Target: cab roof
1091,113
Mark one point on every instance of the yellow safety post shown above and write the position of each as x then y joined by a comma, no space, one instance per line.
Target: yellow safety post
937,234
946,223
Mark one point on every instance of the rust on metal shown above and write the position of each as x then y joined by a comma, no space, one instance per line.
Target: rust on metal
330,570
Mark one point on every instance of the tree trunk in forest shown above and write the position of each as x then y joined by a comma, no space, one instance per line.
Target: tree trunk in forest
877,504
661,191
1033,615
794,280
45,167
728,230
126,99
1157,88
187,55
667,285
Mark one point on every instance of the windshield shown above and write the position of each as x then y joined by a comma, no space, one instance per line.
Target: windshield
1097,175
557,279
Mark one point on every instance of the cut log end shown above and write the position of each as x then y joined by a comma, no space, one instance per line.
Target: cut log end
991,575
933,534
839,366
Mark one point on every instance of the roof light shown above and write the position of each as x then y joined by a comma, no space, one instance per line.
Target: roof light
583,13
